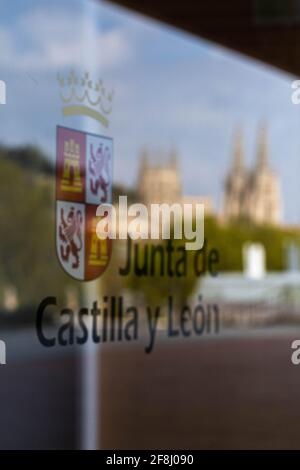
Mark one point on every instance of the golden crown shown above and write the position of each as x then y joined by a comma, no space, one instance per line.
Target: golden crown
83,96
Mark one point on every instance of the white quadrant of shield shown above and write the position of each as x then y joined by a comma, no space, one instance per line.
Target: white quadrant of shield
70,237
99,156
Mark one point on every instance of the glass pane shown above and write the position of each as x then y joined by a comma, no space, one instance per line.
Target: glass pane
172,327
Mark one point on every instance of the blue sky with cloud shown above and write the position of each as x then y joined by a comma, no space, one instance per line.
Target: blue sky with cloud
171,90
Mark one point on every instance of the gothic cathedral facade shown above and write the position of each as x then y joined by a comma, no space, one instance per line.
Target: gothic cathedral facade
253,195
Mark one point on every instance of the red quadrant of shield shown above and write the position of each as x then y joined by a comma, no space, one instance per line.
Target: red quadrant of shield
70,165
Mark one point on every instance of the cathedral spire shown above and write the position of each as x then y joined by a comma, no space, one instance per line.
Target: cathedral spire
144,159
262,150
173,158
238,152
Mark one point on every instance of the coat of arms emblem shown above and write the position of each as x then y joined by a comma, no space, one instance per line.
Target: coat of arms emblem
83,181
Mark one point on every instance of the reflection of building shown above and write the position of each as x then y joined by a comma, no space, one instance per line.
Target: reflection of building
10,302
253,195
161,183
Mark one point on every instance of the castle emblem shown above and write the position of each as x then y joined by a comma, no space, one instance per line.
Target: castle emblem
71,180
83,181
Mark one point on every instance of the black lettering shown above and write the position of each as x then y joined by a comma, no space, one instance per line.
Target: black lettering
39,322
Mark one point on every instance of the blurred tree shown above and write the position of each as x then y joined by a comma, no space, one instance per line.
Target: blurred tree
27,231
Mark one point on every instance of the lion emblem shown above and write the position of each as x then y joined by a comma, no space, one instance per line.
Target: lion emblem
70,235
99,170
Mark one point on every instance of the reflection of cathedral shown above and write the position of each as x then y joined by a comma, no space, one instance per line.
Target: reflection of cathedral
161,183
252,195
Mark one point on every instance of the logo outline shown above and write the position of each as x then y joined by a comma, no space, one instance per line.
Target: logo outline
86,206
